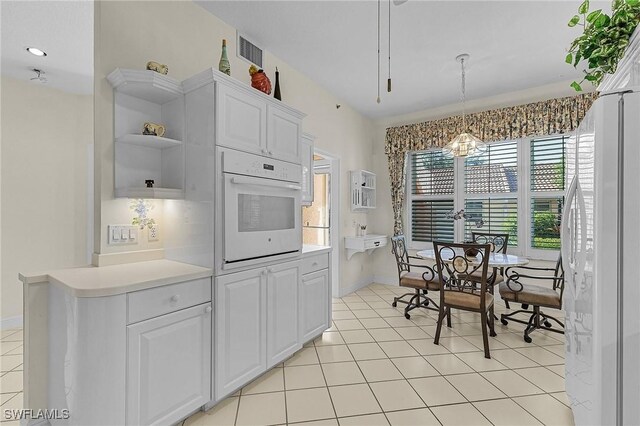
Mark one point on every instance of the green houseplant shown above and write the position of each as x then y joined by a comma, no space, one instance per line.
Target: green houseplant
604,39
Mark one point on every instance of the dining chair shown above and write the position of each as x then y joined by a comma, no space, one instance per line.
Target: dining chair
420,282
538,296
499,244
459,262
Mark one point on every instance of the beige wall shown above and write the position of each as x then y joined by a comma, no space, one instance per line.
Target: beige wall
46,142
382,217
188,39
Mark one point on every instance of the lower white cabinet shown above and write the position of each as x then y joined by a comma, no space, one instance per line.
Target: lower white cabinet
240,336
282,312
314,303
168,366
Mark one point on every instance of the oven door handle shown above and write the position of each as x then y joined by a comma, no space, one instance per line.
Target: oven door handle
244,180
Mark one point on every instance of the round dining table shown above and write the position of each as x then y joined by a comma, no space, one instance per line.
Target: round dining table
496,260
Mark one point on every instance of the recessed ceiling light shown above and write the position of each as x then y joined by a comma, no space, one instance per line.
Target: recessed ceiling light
36,51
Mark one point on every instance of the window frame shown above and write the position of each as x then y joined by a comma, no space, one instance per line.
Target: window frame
524,197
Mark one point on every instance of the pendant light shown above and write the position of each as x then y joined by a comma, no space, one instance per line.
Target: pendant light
378,98
389,77
465,144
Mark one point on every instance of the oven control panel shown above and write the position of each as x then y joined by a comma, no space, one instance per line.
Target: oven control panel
243,163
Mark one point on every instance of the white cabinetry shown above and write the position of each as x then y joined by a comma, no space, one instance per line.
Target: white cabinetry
145,96
241,120
366,243
284,131
282,312
306,152
315,295
363,190
168,366
240,329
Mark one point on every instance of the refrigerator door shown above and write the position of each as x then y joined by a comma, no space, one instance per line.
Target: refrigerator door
630,283
589,244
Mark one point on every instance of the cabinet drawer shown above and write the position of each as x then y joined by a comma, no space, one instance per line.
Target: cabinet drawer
370,243
145,304
315,263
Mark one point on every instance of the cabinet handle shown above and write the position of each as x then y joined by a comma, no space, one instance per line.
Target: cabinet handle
270,153
314,264
174,298
208,309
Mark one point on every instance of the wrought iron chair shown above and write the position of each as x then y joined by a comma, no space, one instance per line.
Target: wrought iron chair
499,244
535,295
460,262
407,277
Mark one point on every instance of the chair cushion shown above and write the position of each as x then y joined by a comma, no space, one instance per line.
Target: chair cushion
415,280
531,294
466,299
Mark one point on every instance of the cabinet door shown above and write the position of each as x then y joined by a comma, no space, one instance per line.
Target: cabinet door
240,336
282,312
284,132
306,151
314,302
168,366
241,120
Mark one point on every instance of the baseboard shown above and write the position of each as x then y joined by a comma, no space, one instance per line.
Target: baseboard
357,286
386,280
11,322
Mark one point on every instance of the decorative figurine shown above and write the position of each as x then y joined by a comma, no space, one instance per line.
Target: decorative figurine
259,80
224,65
276,91
157,67
153,129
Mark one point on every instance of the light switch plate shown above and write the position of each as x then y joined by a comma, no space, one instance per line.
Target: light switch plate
122,234
154,233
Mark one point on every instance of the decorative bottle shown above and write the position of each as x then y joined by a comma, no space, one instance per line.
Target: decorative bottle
224,65
276,91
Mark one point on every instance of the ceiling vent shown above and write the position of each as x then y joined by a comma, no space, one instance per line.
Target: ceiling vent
249,51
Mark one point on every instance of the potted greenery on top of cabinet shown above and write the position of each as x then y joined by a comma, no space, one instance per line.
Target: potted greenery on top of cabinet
148,164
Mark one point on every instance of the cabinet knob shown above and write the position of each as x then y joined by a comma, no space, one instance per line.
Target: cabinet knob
269,270
174,298
264,272
314,264
270,153
208,309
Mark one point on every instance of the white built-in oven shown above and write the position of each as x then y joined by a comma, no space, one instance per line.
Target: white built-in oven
261,209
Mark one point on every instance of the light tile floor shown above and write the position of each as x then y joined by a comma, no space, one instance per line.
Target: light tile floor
374,367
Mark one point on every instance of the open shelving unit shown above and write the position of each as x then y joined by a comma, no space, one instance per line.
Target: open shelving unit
363,190
145,96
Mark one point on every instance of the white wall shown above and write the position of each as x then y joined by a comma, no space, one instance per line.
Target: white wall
382,218
46,140
188,39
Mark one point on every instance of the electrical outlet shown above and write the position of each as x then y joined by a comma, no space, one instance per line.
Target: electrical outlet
122,234
154,233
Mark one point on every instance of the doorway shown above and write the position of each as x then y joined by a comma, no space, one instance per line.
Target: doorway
320,220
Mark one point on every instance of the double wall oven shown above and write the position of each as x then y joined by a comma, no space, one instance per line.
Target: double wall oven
261,209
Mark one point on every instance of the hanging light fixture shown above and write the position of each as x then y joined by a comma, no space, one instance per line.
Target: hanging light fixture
465,144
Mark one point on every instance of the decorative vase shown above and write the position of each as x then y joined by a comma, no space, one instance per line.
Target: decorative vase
157,67
224,65
276,91
259,80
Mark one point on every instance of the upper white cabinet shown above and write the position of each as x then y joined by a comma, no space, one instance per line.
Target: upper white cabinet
306,153
363,190
241,120
240,336
169,366
283,135
282,312
245,118
142,96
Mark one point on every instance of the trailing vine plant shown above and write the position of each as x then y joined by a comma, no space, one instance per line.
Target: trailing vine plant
604,39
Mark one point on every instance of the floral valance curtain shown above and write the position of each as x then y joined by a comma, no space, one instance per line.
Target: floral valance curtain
550,117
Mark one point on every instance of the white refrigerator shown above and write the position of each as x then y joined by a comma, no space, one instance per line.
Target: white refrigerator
601,258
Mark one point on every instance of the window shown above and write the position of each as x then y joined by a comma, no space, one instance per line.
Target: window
514,187
547,171
491,191
431,188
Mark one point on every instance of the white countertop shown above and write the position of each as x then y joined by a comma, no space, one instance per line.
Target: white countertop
310,249
92,281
